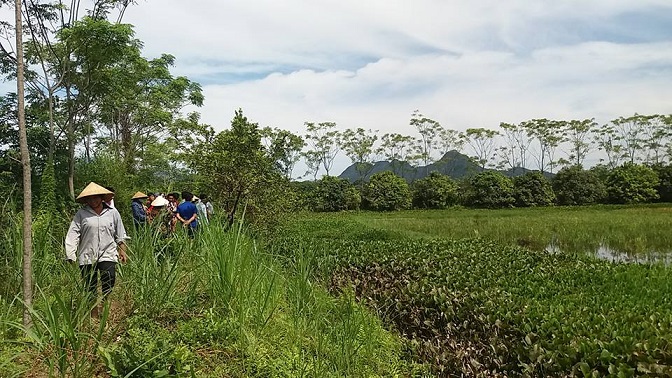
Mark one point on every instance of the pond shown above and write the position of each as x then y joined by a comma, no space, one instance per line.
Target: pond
604,252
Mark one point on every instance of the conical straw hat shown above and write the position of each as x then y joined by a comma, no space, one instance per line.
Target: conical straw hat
139,195
159,201
92,189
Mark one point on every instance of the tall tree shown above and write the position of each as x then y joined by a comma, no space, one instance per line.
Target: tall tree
483,143
358,146
70,53
313,162
577,134
25,163
548,134
429,130
449,140
607,140
631,135
395,148
284,149
323,141
656,135
517,141
141,104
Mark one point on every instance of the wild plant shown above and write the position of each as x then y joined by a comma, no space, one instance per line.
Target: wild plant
63,334
241,280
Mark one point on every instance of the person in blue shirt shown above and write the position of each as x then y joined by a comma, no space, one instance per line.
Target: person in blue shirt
188,214
138,210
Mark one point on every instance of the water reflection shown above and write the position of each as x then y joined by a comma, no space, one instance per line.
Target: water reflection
604,252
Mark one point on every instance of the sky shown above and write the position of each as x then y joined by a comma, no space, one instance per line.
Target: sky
371,63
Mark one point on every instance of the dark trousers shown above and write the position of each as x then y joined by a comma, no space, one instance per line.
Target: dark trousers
90,273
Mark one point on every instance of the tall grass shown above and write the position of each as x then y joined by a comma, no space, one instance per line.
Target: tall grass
220,295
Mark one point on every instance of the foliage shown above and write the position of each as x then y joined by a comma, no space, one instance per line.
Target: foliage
235,167
284,149
548,134
632,183
576,186
489,189
216,306
482,141
435,191
335,194
664,187
387,192
429,131
358,146
532,189
566,315
322,139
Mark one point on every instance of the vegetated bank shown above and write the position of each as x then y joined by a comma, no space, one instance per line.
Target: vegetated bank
477,307
216,306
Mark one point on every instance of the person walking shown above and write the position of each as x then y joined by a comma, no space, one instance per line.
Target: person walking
96,239
138,210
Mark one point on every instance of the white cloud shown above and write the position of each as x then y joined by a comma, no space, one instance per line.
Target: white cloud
371,63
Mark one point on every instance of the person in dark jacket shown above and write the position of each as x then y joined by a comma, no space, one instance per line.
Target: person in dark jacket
138,209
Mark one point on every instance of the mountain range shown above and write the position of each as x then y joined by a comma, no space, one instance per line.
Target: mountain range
453,164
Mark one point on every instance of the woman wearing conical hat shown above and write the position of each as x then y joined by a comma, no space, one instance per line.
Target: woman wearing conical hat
138,209
96,240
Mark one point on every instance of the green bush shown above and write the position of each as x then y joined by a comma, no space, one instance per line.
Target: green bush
632,183
385,192
489,189
664,187
576,186
305,193
435,191
532,189
335,194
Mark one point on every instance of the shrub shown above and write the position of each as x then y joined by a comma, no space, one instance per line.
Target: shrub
386,191
435,191
632,183
489,189
532,189
335,194
576,186
305,193
664,187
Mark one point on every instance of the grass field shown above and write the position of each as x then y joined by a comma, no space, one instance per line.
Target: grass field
626,229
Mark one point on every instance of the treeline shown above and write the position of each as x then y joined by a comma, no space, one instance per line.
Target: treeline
628,183
544,145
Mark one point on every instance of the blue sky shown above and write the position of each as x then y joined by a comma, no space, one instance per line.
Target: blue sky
371,63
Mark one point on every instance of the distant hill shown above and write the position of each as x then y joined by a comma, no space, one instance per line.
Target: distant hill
453,164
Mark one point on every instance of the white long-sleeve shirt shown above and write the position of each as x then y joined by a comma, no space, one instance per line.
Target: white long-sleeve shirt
92,238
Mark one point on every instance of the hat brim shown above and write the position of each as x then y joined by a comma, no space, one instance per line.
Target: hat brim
91,190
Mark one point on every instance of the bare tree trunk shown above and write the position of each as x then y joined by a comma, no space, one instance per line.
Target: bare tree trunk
25,164
71,159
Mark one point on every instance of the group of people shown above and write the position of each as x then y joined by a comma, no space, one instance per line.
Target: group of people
96,238
167,210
